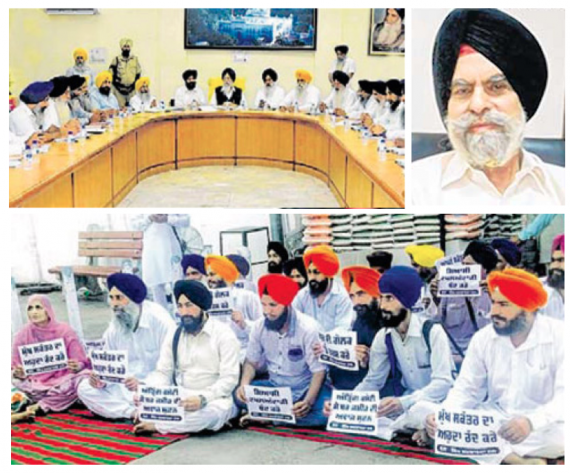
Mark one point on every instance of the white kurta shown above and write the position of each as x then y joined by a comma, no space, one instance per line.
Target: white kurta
306,100
115,401
348,66
346,99
391,120
17,144
208,365
272,96
370,107
184,98
555,305
142,104
84,71
23,122
51,116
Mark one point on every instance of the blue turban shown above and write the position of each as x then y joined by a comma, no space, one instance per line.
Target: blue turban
241,264
403,283
130,285
196,293
193,261
36,92
508,250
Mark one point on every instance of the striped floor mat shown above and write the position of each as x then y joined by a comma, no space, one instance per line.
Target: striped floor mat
365,443
77,437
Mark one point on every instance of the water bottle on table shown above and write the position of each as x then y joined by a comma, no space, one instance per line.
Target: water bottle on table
28,158
382,148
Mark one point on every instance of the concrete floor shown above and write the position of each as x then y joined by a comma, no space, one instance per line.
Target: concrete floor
231,187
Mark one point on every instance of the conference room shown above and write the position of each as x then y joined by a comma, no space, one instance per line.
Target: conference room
232,108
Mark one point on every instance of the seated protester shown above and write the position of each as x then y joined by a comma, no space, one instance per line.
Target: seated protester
77,103
305,97
507,252
379,95
244,268
101,96
271,95
189,95
58,113
342,100
423,259
282,342
228,95
421,356
55,391
324,298
277,256
27,119
143,101
380,261
514,369
390,122
206,366
463,316
140,328
361,284
222,272
193,268
368,103
295,269
80,68
342,63
554,282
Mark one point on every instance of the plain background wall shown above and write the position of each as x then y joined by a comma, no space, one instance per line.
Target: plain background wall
41,47
548,27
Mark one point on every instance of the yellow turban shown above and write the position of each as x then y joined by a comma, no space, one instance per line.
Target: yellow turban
102,77
425,255
305,75
223,267
126,41
141,82
81,52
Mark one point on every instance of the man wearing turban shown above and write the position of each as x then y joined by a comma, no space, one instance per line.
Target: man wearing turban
282,343
390,34
189,96
342,63
26,120
80,103
277,256
126,70
243,266
305,97
390,118
342,100
324,298
140,328
206,367
490,74
222,274
514,370
270,96
295,270
57,116
80,67
379,94
101,96
143,101
554,282
507,252
368,104
380,261
423,259
193,267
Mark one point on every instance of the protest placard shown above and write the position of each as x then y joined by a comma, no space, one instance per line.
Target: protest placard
339,349
454,259
459,281
91,345
160,404
110,365
44,357
467,433
274,404
354,412
221,305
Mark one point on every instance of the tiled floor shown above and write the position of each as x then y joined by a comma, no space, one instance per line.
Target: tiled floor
231,187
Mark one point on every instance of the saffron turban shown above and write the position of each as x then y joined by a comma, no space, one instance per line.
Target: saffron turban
519,287
324,258
130,285
142,82
193,261
304,75
223,267
241,264
196,293
280,288
365,278
80,52
483,254
403,283
508,250
126,42
36,92
558,243
279,249
503,40
102,77
425,255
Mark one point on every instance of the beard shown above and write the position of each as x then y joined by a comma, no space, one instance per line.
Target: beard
395,319
127,316
192,324
555,278
389,33
277,324
274,268
217,284
516,325
489,149
370,313
317,288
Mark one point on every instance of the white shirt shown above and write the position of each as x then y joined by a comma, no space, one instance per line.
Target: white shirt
527,381
142,104
183,98
391,120
306,100
23,122
346,99
143,345
84,71
348,66
424,377
247,285
447,178
555,305
273,96
208,363
17,144
370,107
51,116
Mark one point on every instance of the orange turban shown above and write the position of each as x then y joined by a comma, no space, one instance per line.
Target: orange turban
520,287
364,277
324,258
102,77
305,75
280,288
223,267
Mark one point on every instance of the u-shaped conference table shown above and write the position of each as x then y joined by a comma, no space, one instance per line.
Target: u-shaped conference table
101,171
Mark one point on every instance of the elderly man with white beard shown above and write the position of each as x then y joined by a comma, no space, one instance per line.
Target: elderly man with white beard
490,74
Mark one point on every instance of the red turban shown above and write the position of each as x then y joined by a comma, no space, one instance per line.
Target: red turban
324,258
223,267
520,287
558,243
364,277
280,288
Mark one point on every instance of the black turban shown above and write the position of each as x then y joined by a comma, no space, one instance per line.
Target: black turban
400,11
343,49
196,293
502,40
394,86
75,82
365,85
279,249
230,72
483,254
341,76
60,85
271,73
295,263
241,263
379,86
190,72
130,285
508,250
380,259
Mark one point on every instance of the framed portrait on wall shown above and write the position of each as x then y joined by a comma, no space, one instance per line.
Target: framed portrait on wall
275,29
387,31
